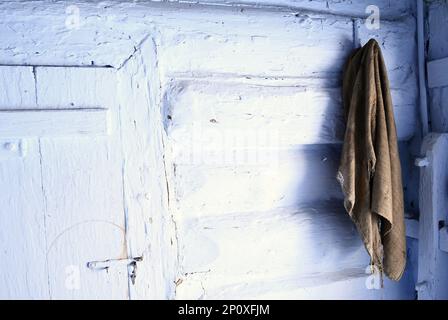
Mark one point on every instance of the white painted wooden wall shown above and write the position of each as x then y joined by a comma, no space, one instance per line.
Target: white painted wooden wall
433,240
201,138
433,247
437,52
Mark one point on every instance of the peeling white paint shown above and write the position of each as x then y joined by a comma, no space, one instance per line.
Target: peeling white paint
270,225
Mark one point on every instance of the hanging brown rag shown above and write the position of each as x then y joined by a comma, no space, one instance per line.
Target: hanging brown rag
370,171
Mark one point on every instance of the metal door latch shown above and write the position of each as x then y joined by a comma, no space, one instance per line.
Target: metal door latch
131,264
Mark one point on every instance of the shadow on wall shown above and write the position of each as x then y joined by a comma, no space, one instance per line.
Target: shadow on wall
266,204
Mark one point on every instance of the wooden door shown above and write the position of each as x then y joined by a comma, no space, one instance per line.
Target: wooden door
61,179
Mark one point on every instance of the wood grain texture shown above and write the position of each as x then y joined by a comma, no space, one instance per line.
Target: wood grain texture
432,278
342,285
281,179
281,236
23,262
387,8
82,182
274,46
39,123
75,87
84,217
75,213
202,115
47,33
17,87
294,257
150,227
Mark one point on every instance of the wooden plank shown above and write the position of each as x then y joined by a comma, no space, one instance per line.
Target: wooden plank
23,263
286,242
150,230
17,87
82,181
297,249
204,115
272,46
279,179
85,216
30,123
437,73
345,284
68,87
258,48
359,8
433,263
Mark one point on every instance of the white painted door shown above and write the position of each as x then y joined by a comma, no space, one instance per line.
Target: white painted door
61,181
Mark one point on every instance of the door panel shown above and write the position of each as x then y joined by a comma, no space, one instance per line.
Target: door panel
84,216
63,193
23,253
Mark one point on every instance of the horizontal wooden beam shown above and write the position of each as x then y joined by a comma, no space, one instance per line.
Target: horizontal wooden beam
358,8
62,122
209,115
17,87
438,73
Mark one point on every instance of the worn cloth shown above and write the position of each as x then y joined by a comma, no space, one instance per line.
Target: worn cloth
370,171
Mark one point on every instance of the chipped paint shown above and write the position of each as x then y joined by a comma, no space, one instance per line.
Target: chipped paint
217,228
